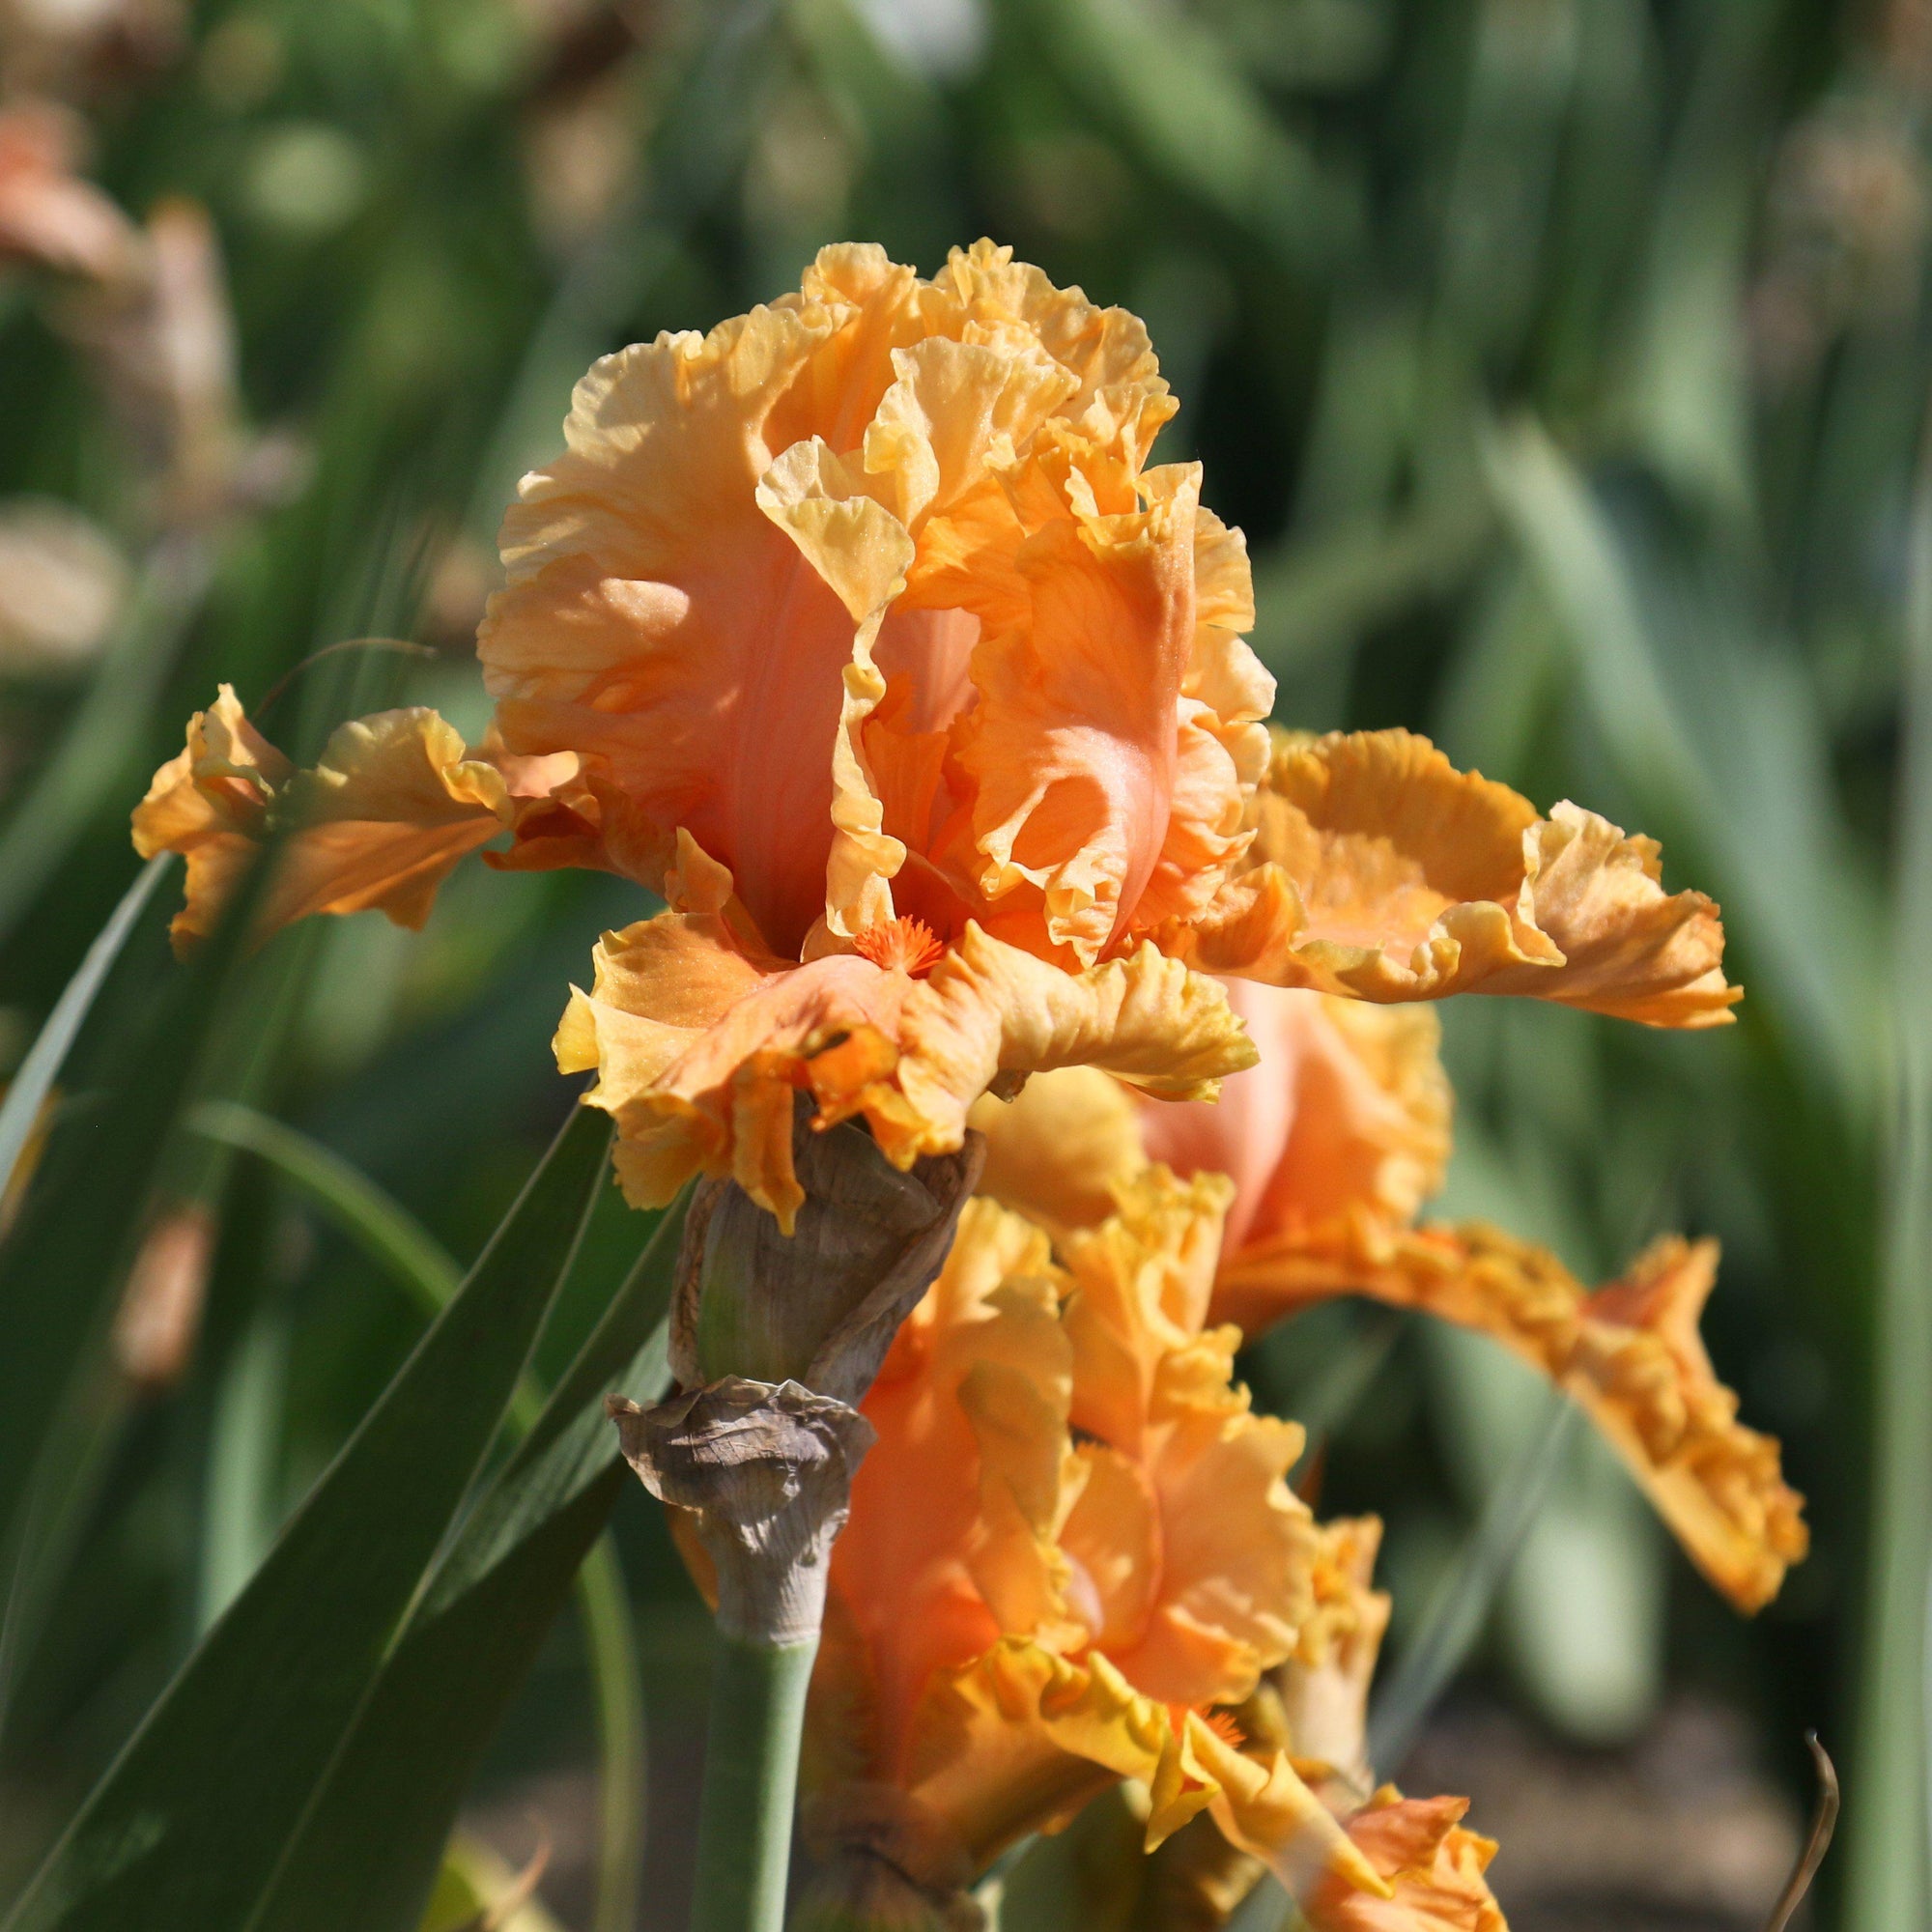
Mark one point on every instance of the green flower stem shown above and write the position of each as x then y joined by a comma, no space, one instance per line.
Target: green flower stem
751,1784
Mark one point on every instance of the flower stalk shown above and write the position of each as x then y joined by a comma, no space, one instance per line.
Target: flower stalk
751,1784
766,1474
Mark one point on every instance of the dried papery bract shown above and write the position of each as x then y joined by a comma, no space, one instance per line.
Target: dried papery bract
766,1471
775,1336
822,1304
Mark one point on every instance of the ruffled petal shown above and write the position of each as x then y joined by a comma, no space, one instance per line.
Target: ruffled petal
954,1512
389,808
696,1086
1433,1869
1262,1805
659,620
1630,1354
1020,1740
392,806
1323,1688
1095,781
1382,872
1226,1585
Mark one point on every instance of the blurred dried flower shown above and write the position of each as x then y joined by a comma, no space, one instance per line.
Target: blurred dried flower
1845,232
159,1316
63,582
82,47
164,344
49,217
582,155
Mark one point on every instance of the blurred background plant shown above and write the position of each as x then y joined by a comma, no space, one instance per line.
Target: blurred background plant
1565,363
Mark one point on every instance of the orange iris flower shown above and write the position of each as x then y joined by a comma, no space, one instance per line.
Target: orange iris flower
1071,1549
1334,1141
863,631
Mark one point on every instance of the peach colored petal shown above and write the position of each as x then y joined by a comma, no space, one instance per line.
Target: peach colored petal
862,552
909,1055
1347,1111
1076,748
390,807
1061,1146
919,1585
1632,1358
1226,1585
1323,1688
990,1009
1262,1806
656,617
1433,1866
1380,871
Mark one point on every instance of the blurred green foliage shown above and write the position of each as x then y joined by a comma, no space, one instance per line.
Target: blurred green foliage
1565,363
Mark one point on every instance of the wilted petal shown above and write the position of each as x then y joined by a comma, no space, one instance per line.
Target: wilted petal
1630,1354
1382,872
390,807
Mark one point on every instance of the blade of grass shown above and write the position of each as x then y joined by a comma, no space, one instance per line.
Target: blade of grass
403,1773
62,1267
1889,1849
1164,86
1724,753
610,1640
21,1110
378,1223
1454,1618
239,1517
392,1236
195,1822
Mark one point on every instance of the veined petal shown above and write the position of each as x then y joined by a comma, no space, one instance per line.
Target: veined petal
1630,1354
658,619
1381,872
1073,749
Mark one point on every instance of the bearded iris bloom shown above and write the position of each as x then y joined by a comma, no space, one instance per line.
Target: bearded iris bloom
862,629
1073,1558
